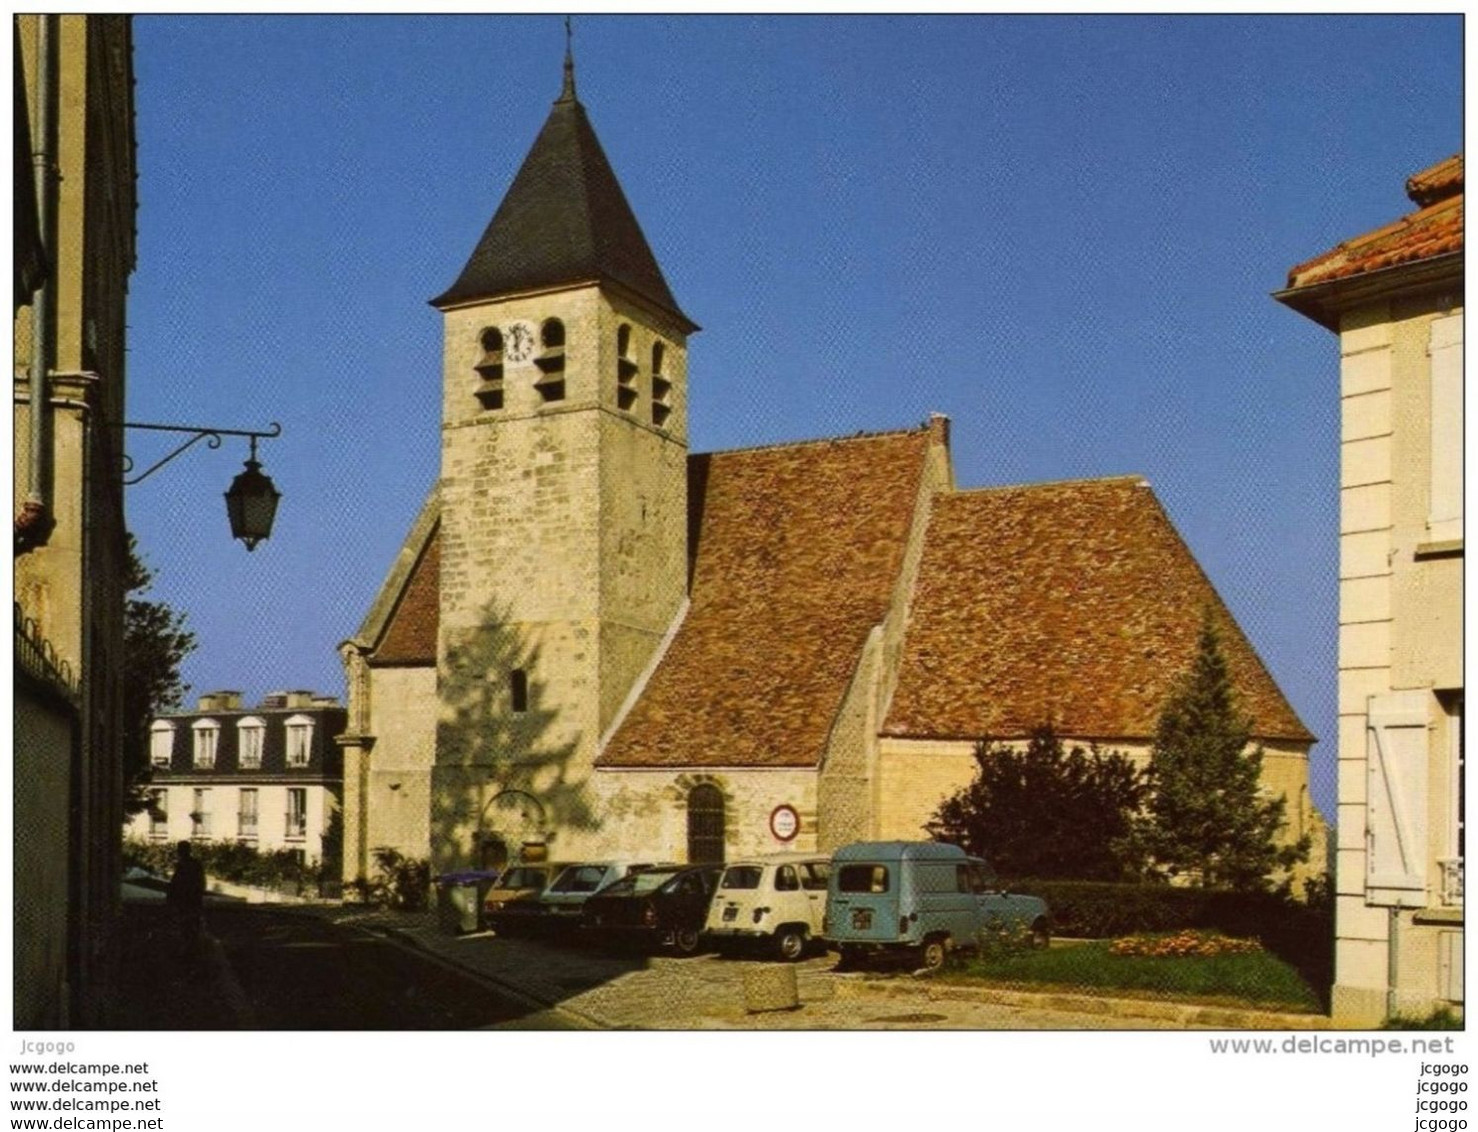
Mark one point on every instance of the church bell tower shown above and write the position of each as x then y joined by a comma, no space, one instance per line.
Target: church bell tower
563,497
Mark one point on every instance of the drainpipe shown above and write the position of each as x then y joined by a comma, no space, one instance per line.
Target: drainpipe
1393,968
34,523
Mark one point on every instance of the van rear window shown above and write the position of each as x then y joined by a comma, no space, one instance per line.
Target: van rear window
742,876
862,878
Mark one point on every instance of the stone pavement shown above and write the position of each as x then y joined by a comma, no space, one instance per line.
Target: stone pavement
582,986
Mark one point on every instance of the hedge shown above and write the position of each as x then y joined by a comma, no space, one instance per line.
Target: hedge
237,863
1298,933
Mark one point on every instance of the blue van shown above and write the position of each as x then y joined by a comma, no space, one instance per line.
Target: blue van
921,897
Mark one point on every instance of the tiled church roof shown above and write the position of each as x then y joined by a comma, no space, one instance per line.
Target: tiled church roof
410,636
795,558
1074,602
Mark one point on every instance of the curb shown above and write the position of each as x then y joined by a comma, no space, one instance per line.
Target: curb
1184,1013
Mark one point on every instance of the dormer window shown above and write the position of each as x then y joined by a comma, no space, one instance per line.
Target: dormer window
626,368
161,742
249,734
207,731
299,740
489,369
551,360
661,386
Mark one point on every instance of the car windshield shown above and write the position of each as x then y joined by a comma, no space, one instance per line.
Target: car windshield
579,878
862,878
742,876
524,878
639,884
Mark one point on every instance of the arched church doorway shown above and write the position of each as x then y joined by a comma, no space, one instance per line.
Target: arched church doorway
705,825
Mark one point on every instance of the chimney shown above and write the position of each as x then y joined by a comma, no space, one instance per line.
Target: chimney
274,700
325,701
299,698
224,700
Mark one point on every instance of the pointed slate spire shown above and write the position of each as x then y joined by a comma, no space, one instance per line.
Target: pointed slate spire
564,220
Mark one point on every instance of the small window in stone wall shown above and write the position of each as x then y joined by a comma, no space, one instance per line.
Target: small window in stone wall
551,360
661,386
518,686
626,369
489,369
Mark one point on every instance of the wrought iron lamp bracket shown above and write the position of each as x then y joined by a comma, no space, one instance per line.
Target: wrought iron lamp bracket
197,433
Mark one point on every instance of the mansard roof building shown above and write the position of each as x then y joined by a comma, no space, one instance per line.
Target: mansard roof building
599,641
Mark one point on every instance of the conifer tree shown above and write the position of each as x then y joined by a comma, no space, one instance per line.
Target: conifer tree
1207,819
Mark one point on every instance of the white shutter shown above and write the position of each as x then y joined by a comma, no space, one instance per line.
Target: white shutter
1396,809
1445,518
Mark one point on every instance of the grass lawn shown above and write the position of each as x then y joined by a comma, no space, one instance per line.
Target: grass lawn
1259,979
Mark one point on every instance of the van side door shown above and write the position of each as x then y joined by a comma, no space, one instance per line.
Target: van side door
993,904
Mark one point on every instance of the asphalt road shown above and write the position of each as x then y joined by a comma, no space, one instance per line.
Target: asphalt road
276,970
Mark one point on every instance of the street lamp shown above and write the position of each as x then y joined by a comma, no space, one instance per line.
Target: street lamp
251,503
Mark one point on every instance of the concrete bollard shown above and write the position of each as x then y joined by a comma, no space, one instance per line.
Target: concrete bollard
770,987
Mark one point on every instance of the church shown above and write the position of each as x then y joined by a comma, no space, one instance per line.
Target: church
596,643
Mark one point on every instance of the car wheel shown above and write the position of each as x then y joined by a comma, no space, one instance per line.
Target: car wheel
790,943
931,955
685,940
1041,935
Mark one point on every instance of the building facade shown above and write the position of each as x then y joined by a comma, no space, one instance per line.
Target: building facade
596,640
1394,297
270,776
74,253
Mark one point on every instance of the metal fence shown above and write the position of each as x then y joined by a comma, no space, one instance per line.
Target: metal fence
35,657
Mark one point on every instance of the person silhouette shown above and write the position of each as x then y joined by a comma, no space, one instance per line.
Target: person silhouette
185,896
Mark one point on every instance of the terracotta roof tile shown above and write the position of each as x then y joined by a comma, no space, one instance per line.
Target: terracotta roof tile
410,637
1075,602
1436,182
796,555
1435,229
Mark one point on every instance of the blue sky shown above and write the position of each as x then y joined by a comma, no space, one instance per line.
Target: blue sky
1062,231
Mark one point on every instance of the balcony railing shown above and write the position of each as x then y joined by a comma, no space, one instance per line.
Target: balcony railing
246,826
297,826
1452,881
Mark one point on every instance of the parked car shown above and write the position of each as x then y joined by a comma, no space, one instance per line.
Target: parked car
779,901
921,898
660,906
513,902
561,903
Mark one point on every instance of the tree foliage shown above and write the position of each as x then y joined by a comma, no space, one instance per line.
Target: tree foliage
1207,819
1045,811
155,644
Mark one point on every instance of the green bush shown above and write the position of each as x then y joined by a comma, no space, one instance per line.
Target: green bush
237,863
399,881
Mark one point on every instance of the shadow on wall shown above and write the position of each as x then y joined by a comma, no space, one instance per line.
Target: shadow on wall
503,765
